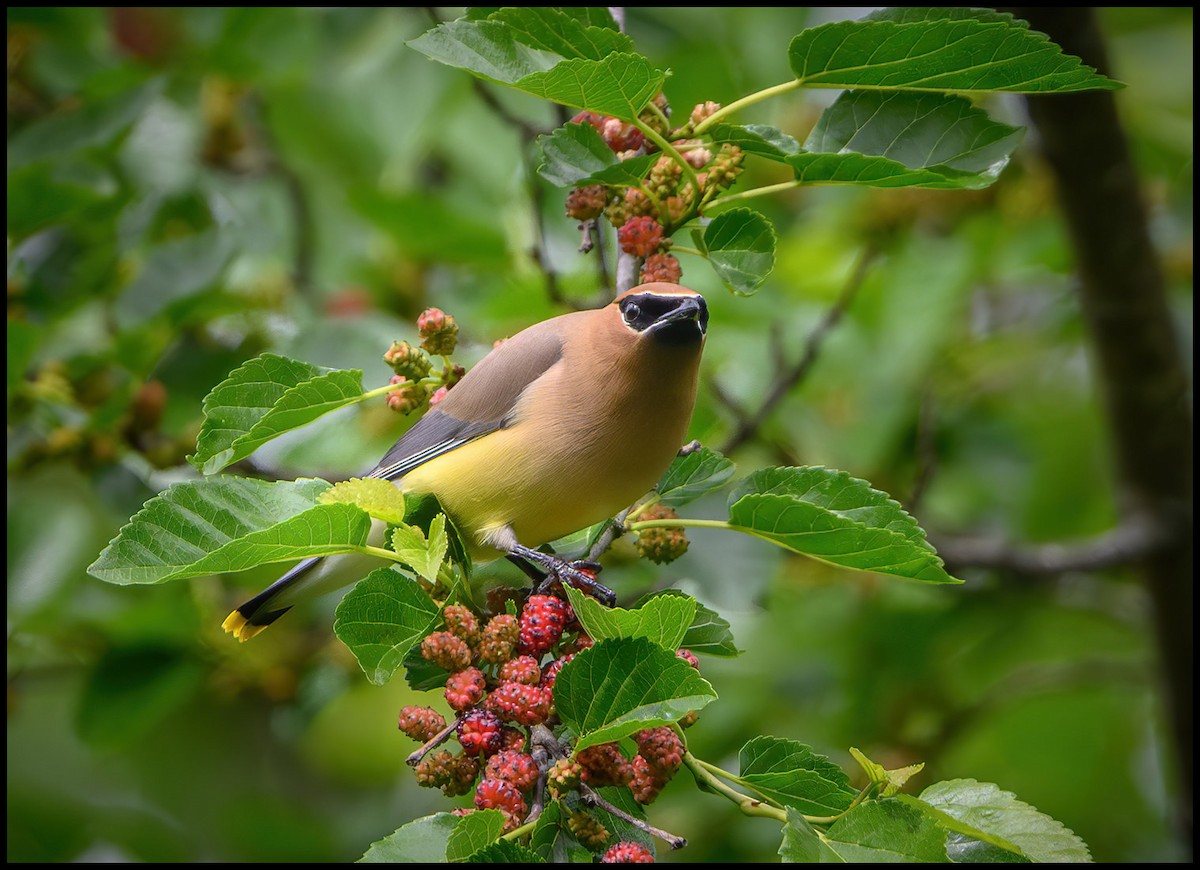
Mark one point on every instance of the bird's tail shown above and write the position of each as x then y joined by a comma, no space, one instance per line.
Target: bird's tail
266,607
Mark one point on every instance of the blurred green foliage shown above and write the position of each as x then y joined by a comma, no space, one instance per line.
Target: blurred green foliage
188,188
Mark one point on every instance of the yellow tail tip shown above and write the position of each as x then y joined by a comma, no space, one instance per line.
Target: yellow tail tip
239,627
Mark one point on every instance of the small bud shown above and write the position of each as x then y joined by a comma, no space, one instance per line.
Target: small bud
408,361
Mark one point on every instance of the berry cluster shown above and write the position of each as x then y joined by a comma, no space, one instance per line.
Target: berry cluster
669,196
415,382
501,674
661,545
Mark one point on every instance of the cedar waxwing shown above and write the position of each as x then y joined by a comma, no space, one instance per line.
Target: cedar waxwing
562,426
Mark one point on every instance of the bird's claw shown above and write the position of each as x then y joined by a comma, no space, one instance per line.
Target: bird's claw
582,575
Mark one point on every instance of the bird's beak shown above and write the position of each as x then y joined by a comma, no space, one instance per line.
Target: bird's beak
691,308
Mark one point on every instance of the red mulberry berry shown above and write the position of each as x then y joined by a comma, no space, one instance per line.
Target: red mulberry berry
407,397
447,651
480,733
465,689
421,723
646,782
542,623
516,768
522,669
604,764
586,203
517,702
661,748
627,853
550,671
436,769
513,739
661,267
640,236
496,794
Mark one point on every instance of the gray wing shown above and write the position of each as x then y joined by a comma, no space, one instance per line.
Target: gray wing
480,403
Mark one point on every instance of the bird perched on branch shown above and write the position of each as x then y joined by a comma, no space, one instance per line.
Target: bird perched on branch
560,427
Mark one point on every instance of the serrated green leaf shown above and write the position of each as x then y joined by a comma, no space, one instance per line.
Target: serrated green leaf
664,620
488,49
381,619
423,555
620,686
575,155
621,84
792,774
756,139
506,852
985,812
740,245
264,398
220,525
882,139
891,780
887,831
421,510
831,516
473,832
950,53
422,841
380,498
692,475
801,844
709,633
591,76
555,30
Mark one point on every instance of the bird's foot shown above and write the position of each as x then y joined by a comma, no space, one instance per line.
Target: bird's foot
582,575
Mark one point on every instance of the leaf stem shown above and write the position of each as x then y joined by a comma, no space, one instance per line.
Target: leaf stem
748,805
381,552
765,190
378,391
667,148
748,100
683,249
675,523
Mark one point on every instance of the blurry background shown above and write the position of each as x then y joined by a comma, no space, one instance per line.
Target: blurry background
189,188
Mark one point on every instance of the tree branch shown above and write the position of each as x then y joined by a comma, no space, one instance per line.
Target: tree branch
1144,380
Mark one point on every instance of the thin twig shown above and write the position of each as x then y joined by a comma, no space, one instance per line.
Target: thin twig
435,741
1130,542
614,530
593,798
790,377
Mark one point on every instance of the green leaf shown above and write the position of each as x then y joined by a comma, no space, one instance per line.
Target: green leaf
693,475
425,556
884,139
985,812
663,619
891,780
887,831
226,524
575,155
506,852
556,31
620,686
801,844
381,619
264,398
599,72
740,245
932,52
620,84
422,510
709,633
422,841
831,516
487,49
756,139
382,499
473,832
792,774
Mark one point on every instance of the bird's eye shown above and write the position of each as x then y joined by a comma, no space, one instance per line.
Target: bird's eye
632,312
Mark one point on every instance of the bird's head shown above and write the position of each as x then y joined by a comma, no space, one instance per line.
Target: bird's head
668,314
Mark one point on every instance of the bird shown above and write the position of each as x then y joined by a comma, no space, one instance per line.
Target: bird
559,427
